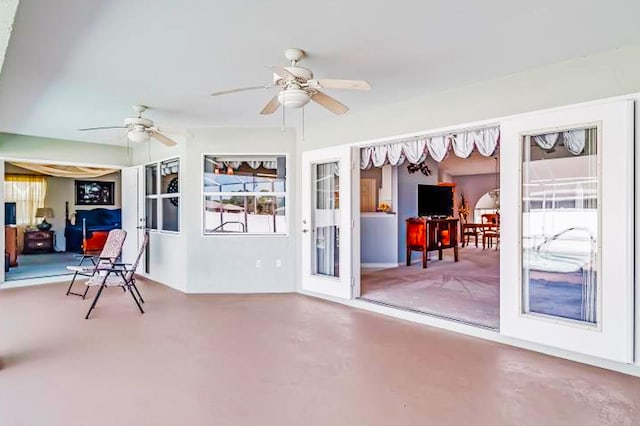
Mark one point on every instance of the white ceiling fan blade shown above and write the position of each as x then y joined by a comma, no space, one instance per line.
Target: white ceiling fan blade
271,106
162,138
102,128
329,103
331,83
281,72
244,89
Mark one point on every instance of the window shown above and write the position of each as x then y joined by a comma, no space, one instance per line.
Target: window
28,192
162,195
560,232
244,194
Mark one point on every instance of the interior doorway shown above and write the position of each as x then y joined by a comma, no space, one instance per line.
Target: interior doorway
432,243
54,214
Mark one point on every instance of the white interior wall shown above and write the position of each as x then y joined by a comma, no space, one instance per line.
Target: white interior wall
228,263
168,252
222,263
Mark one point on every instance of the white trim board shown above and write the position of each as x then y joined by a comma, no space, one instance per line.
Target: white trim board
483,123
379,265
479,332
29,282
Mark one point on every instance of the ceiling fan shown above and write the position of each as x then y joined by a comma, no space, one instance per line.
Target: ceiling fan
297,87
139,129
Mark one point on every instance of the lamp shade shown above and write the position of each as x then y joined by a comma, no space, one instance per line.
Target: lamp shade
44,212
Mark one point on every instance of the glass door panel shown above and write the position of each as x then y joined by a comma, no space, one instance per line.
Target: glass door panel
560,218
567,203
326,219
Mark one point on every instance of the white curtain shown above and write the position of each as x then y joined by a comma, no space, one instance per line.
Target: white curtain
548,140
438,147
254,164
415,151
485,141
573,140
28,192
462,145
365,157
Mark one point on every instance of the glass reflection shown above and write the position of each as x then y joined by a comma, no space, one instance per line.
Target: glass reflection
560,224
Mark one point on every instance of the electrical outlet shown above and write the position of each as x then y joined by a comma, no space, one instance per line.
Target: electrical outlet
278,263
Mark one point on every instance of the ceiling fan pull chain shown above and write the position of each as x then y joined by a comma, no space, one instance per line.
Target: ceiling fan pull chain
283,119
302,124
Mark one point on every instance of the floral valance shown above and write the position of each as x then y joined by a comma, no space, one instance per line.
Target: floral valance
415,151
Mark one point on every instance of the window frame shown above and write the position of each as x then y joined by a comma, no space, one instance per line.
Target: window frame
286,194
524,138
159,196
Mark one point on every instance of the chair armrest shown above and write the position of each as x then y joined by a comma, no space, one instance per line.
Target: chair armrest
115,270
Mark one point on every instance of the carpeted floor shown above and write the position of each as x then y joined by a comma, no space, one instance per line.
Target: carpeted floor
468,290
42,265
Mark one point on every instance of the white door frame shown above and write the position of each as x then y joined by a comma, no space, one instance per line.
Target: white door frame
499,336
4,160
132,210
342,286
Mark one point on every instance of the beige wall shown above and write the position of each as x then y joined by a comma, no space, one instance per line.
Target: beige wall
61,190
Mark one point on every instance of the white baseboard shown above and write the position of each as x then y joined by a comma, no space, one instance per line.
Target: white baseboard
27,282
379,265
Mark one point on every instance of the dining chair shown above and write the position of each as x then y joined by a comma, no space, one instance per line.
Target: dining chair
108,256
490,230
468,232
119,275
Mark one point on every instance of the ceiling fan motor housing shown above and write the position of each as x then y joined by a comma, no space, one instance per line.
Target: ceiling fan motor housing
138,121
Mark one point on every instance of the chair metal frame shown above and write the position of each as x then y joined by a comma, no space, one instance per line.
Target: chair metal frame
102,263
124,276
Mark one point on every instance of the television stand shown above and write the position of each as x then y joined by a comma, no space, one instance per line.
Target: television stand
427,235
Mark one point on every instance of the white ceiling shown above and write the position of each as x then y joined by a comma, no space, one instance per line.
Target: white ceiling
78,63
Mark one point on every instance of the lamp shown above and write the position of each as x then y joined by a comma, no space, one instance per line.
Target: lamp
137,136
44,213
293,97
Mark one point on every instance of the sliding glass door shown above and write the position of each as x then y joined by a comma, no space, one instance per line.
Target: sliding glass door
567,229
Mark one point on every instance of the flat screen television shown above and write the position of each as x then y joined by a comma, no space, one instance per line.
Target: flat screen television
434,200
9,213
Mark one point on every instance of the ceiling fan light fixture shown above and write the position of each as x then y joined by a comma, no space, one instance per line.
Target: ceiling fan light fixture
293,98
137,136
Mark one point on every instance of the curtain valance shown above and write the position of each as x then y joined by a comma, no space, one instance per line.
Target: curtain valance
267,164
485,141
74,172
573,140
